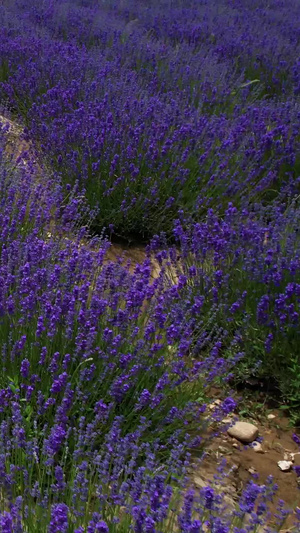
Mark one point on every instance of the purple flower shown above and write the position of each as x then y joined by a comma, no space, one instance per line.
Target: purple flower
6,523
296,439
55,440
144,399
102,410
59,519
228,405
25,365
150,525
249,497
101,527
297,470
97,526
208,494
59,383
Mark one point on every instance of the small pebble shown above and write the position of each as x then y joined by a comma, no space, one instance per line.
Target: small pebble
222,449
257,447
214,405
199,482
285,466
271,416
289,457
227,421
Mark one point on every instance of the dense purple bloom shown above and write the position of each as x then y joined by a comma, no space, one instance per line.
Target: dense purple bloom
144,399
97,527
25,365
208,495
59,519
101,527
59,383
296,439
228,405
249,497
6,523
56,438
297,470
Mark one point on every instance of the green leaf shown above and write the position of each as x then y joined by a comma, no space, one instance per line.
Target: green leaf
247,83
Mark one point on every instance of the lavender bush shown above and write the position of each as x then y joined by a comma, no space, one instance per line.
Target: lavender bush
247,273
94,401
149,131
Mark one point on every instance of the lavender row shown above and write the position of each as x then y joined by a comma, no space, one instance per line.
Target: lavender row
146,135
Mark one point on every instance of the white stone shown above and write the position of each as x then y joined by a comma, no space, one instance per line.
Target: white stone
199,482
285,466
228,420
214,405
257,447
243,431
289,457
223,450
271,417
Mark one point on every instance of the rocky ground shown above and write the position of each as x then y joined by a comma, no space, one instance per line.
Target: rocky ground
271,451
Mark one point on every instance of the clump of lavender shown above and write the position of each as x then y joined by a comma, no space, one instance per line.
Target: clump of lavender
146,131
99,407
242,282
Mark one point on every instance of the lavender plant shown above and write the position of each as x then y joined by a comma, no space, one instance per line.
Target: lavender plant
95,408
146,136
248,272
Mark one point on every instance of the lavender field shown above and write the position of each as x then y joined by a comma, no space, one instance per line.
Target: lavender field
174,124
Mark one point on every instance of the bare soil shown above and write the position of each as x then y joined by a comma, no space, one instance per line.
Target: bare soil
246,464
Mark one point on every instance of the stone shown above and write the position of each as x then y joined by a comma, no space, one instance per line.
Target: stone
252,470
278,447
235,445
228,420
200,483
223,450
243,431
257,447
289,457
214,405
230,503
285,466
271,416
